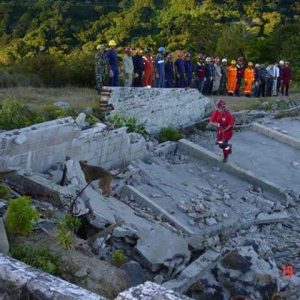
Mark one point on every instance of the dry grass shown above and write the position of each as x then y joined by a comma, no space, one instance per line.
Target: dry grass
76,97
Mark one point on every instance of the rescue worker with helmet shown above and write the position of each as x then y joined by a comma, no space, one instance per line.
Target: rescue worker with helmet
179,70
188,69
217,76
209,70
138,68
232,78
222,119
128,67
100,67
149,68
249,79
169,71
160,68
200,73
223,80
113,67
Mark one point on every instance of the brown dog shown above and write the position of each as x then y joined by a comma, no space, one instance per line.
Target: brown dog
92,173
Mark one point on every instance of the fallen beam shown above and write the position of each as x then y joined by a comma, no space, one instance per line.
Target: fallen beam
144,200
275,135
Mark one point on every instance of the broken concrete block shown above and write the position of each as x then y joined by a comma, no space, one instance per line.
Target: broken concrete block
211,221
159,245
264,218
4,245
20,139
75,174
134,273
150,290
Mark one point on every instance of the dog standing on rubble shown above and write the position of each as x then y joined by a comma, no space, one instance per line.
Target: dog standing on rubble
92,173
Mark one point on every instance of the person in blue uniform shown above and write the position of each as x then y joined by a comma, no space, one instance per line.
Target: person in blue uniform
169,71
160,68
188,69
113,68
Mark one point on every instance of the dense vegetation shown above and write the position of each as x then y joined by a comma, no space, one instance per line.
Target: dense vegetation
52,42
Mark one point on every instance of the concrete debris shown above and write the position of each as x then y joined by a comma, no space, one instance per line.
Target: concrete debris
150,291
134,273
211,221
4,245
157,247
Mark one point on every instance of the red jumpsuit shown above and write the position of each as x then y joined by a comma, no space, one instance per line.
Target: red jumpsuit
286,78
224,119
148,77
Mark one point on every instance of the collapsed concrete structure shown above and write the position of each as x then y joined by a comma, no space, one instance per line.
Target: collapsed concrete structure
190,223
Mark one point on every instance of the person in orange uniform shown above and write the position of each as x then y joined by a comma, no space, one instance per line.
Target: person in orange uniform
149,69
249,79
222,119
231,78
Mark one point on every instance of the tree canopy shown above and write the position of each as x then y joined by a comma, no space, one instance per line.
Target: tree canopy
262,30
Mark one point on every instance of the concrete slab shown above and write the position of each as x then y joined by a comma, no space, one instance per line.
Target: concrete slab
267,159
161,107
287,126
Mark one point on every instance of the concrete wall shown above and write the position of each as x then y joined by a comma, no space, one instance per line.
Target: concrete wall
159,108
40,146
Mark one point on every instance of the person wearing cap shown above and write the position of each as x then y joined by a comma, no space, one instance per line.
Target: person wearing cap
179,70
231,78
249,79
286,78
223,80
217,76
209,70
128,67
169,71
160,68
200,72
100,67
149,68
239,75
276,78
188,69
280,67
138,68
113,67
222,119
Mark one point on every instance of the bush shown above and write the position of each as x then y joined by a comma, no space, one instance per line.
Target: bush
4,191
66,229
51,112
40,258
170,134
20,216
119,120
118,258
14,114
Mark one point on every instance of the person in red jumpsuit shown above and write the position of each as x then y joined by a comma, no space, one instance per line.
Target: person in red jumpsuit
286,78
222,119
149,69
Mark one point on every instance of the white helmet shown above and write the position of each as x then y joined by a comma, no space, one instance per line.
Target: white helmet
208,59
281,62
224,60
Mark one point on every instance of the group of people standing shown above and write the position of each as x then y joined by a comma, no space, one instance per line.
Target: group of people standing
211,75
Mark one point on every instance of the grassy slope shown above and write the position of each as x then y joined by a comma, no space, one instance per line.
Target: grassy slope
83,97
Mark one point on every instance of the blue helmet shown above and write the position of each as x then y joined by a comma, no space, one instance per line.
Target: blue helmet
161,49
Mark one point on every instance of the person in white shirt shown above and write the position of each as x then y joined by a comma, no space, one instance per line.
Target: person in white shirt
128,67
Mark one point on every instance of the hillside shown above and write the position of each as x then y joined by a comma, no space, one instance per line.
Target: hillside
63,34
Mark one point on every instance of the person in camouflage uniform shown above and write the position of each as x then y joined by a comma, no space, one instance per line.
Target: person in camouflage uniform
100,67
